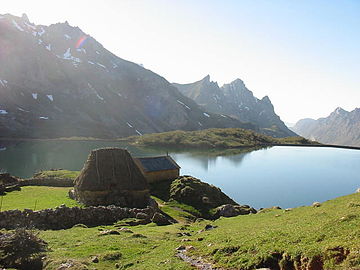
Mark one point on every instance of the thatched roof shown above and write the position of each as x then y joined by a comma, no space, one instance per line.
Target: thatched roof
153,164
110,169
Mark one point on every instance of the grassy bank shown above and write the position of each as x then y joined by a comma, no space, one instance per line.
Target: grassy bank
213,138
329,234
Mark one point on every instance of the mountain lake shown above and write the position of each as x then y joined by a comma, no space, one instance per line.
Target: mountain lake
278,176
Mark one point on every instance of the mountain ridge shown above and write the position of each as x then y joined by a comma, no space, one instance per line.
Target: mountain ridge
57,81
236,100
339,127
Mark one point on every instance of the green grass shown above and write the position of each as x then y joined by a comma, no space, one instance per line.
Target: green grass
156,251
61,174
43,197
241,242
237,243
212,138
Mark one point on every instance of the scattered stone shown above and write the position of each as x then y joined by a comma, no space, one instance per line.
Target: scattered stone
117,265
160,219
209,227
142,216
181,248
276,207
200,238
109,232
179,234
138,235
80,226
114,256
230,210
125,230
277,215
316,204
288,209
185,240
358,190
95,259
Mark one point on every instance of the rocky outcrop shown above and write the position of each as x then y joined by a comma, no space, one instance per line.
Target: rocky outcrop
7,179
65,217
202,196
110,176
230,210
236,100
340,127
57,81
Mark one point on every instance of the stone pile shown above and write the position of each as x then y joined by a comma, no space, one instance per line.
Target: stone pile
65,217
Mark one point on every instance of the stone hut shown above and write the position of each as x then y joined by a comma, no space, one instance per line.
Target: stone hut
157,169
111,177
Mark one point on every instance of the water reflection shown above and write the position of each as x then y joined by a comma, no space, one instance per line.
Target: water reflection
284,176
24,158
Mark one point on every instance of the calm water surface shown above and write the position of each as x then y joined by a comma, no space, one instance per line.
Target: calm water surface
284,176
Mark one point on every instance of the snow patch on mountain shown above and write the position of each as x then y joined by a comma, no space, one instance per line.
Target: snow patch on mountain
101,65
50,97
3,82
22,110
17,26
67,56
42,31
34,95
182,103
81,50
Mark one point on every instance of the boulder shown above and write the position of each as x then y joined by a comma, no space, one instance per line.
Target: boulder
111,177
190,190
160,219
229,210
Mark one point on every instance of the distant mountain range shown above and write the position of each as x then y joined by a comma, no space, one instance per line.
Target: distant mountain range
57,81
340,127
236,100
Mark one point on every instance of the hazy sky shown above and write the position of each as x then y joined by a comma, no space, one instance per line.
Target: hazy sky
305,55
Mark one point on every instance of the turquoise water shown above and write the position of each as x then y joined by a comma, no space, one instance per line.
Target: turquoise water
282,176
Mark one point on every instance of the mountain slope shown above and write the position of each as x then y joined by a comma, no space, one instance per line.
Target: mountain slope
236,100
340,127
57,81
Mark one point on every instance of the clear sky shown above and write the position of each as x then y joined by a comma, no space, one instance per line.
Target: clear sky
305,55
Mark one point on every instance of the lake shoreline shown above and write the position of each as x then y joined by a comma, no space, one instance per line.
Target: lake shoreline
128,140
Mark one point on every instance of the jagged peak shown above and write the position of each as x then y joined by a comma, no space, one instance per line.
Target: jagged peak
340,110
238,82
266,99
206,78
25,17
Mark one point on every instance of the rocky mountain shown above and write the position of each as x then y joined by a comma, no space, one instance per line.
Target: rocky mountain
235,100
340,127
57,81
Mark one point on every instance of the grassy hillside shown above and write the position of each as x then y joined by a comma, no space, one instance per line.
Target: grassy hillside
213,138
329,235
